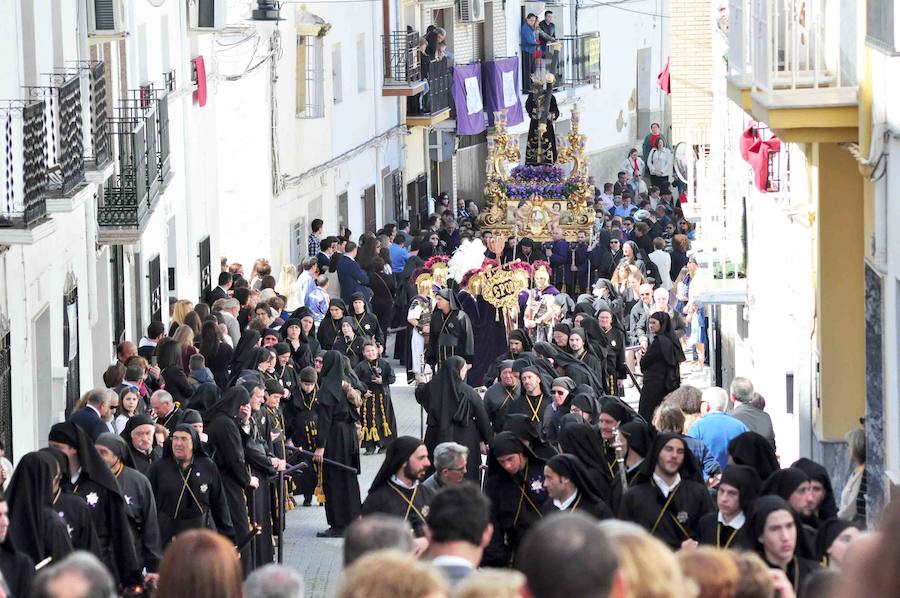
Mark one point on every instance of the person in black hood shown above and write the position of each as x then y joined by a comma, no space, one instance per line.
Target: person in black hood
297,342
528,433
367,322
188,488
286,371
660,364
224,425
455,413
585,405
571,488
379,424
670,501
793,485
330,326
244,353
615,367
561,336
832,539
90,478
337,440
351,340
637,441
71,508
753,450
138,435
205,395
824,507
535,396
583,369
517,496
776,529
16,567
301,429
727,527
396,489
35,528
576,437
500,394
519,342
451,331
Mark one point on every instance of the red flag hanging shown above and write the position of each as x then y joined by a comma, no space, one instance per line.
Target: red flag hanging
759,161
748,138
200,72
664,80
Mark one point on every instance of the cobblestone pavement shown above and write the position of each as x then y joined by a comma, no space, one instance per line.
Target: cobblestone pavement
319,559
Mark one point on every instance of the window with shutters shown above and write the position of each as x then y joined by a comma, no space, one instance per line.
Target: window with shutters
880,25
337,74
298,238
310,77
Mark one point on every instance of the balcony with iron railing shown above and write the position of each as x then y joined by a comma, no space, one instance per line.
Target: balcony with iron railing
579,60
791,63
402,72
23,203
432,105
139,134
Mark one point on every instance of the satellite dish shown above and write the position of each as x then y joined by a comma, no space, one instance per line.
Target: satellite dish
683,157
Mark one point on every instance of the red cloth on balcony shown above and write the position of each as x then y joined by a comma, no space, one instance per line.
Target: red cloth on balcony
200,92
664,80
748,138
759,161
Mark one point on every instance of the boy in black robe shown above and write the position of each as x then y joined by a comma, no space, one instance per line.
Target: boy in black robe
138,435
301,429
727,527
286,371
571,488
366,321
90,478
776,528
501,394
139,501
379,424
337,441
451,331
396,489
188,488
350,341
517,494
670,501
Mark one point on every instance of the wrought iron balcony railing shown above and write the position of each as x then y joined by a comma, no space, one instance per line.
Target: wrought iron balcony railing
65,156
437,96
579,60
25,172
401,58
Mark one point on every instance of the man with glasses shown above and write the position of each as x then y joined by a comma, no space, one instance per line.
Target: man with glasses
449,466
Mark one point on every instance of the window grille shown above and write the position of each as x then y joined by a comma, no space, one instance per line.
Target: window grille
310,77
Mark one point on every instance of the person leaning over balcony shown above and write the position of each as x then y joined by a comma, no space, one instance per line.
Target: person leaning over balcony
546,31
528,42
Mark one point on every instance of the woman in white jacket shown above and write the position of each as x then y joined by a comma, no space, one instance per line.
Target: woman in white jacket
659,162
633,162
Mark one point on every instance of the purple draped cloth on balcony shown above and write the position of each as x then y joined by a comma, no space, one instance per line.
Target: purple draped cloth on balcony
467,99
501,90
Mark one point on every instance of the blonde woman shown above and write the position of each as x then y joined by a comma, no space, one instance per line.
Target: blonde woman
491,583
288,286
184,334
182,308
650,568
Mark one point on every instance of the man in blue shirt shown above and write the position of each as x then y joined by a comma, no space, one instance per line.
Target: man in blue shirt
528,41
398,254
716,428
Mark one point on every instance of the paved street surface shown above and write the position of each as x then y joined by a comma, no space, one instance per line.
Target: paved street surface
319,559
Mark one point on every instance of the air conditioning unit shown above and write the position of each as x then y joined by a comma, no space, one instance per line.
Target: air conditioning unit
106,18
471,11
206,15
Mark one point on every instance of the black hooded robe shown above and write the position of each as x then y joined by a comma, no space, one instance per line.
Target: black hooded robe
330,328
141,507
301,428
455,414
660,366
142,461
258,452
17,569
451,334
379,424
588,499
202,501
337,419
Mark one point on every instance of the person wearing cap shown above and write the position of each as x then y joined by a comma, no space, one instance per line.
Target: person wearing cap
571,488
824,506
451,331
379,424
727,527
140,505
397,489
793,485
301,429
561,400
188,488
138,435
613,413
517,496
89,477
501,394
670,500
776,530
518,342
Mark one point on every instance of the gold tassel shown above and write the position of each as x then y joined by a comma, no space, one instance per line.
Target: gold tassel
384,422
373,431
319,492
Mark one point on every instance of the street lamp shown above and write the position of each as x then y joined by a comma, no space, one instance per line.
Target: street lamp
268,10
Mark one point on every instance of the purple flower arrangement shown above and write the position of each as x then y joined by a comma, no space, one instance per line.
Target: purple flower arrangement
544,173
524,190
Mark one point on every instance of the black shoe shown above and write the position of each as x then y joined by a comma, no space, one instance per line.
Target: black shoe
331,532
307,501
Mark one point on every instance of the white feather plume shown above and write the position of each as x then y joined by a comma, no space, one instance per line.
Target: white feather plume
468,256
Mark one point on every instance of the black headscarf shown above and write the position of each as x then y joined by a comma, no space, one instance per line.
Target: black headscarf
639,436
195,441
827,509
506,443
753,450
330,391
574,367
116,444
784,482
191,416
596,341
585,399
747,482
398,452
30,491
519,335
539,358
354,324
205,396
140,419
828,533
669,345
570,466
229,405
521,426
690,468
583,441
92,464
358,296
244,354
449,396
562,327
294,321
450,296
